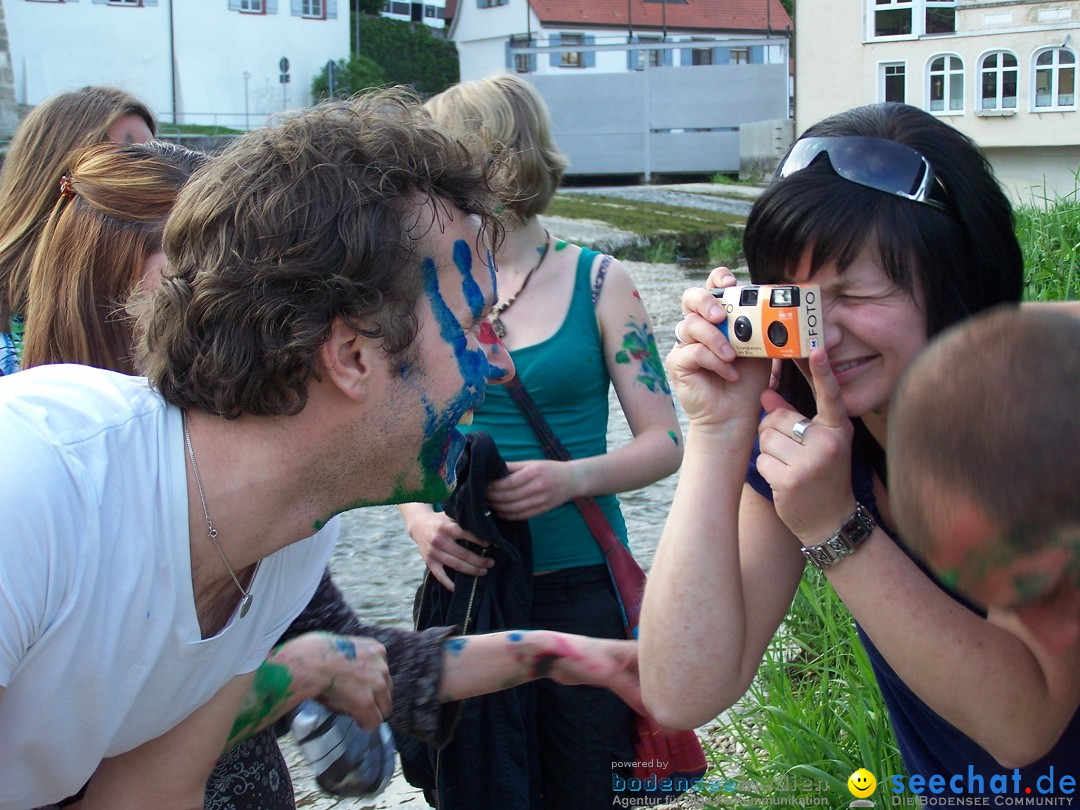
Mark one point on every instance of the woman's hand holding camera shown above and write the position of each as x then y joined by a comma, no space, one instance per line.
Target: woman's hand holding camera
712,385
810,474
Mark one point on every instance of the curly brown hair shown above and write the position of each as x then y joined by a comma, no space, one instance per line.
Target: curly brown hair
318,217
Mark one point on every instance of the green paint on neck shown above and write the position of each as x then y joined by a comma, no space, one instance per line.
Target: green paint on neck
949,578
561,244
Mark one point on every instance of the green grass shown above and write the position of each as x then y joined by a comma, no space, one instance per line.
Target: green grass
650,220
171,130
1049,234
726,250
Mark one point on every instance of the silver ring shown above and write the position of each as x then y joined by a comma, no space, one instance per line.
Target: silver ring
678,337
798,430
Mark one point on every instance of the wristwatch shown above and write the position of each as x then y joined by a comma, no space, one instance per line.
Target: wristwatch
844,542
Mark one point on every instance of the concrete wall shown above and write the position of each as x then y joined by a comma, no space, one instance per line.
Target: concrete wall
660,120
761,145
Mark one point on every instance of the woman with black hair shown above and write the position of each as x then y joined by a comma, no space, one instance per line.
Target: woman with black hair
899,220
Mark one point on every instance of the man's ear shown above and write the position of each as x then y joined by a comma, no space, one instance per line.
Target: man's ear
348,359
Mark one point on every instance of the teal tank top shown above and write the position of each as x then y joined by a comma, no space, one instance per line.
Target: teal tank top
567,377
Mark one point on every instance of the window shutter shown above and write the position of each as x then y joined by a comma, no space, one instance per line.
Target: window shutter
757,54
588,58
234,5
101,2
297,8
270,6
686,57
150,2
555,40
509,56
668,57
532,62
331,9
721,56
633,61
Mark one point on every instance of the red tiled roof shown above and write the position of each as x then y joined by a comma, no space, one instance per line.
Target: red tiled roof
451,8
713,15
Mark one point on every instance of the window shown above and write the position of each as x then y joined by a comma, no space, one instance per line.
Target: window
1055,79
490,3
432,12
572,58
252,6
946,92
997,81
940,17
701,56
403,9
125,2
739,56
312,8
893,82
892,18
521,62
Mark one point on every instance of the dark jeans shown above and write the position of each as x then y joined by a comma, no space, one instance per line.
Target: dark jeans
582,729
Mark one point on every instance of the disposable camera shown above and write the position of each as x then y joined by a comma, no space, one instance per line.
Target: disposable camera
772,320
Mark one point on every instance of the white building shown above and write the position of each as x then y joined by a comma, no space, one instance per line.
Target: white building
192,61
1002,71
485,31
430,12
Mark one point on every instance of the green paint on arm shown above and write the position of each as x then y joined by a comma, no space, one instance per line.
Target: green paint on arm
270,690
639,344
674,437
561,244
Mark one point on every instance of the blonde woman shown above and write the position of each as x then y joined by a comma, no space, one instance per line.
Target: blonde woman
574,325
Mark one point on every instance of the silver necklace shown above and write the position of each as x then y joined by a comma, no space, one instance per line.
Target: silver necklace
211,532
496,322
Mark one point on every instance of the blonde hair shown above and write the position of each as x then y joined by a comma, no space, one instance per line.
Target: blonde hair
30,177
509,118
93,248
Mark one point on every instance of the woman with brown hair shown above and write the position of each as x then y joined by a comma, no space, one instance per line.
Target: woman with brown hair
30,184
102,240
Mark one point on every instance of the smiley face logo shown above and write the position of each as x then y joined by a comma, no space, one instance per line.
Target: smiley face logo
861,783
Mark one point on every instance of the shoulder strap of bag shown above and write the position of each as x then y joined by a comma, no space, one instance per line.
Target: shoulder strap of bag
594,516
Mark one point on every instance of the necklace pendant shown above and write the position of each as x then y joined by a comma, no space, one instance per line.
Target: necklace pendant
245,604
498,327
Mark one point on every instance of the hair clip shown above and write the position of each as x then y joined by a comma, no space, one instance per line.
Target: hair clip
65,187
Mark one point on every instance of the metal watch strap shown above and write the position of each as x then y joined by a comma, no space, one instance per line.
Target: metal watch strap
844,542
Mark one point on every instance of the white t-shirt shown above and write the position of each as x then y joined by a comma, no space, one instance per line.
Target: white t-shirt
100,646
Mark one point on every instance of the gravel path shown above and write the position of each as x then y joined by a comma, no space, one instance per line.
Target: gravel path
729,199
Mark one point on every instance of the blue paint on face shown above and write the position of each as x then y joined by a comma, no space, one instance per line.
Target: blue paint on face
463,260
472,363
515,636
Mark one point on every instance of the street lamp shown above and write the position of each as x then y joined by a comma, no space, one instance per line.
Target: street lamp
247,120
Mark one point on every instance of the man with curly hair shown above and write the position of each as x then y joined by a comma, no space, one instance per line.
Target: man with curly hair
319,333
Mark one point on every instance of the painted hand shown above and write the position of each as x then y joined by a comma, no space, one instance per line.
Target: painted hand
351,671
438,537
580,660
532,488
811,479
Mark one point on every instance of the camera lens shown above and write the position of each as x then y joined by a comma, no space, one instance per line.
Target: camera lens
777,333
744,330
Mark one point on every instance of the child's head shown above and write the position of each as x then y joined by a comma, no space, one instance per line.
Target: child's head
984,462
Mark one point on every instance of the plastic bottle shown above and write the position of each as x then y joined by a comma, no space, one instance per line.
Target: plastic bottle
346,759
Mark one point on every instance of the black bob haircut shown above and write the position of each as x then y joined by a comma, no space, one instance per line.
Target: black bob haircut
963,262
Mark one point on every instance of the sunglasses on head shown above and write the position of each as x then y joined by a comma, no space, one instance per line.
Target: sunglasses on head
876,163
